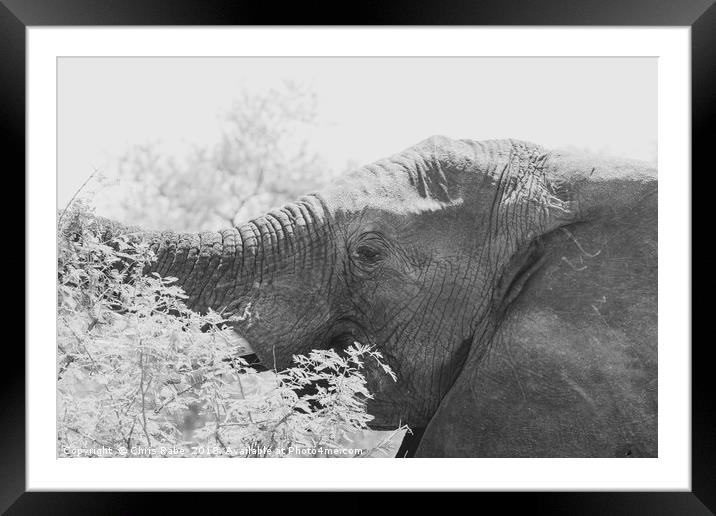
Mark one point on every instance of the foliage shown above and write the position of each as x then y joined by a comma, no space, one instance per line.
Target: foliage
261,160
133,363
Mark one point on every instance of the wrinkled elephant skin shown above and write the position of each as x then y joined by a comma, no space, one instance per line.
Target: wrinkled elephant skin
512,289
572,371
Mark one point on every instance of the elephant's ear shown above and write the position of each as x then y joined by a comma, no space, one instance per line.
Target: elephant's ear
570,368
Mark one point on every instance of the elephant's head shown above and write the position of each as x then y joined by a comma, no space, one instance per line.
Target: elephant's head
420,255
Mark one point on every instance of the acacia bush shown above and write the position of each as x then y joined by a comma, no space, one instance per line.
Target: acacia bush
133,363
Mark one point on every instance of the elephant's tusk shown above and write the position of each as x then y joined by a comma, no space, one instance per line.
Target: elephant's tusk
230,336
234,339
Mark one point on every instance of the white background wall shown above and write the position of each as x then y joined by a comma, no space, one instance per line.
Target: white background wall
368,107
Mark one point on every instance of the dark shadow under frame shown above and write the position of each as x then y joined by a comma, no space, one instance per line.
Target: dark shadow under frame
16,15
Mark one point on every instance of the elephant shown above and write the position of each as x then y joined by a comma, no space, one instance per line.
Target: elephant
511,288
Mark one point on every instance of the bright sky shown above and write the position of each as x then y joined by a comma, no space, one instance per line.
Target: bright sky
369,108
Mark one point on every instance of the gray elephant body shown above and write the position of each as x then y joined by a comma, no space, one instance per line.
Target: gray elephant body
572,370
513,290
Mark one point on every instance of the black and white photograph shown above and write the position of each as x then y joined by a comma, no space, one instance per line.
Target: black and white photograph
428,232
357,257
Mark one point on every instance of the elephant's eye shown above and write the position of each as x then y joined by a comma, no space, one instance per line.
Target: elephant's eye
367,254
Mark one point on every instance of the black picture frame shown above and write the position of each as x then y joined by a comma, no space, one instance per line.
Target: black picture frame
700,15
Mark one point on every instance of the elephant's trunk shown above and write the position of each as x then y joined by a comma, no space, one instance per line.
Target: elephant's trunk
217,268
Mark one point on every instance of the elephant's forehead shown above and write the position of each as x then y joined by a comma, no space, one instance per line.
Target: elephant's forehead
436,172
396,186
383,200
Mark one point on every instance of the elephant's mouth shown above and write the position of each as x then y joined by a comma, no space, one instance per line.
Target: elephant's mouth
341,341
339,336
344,333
